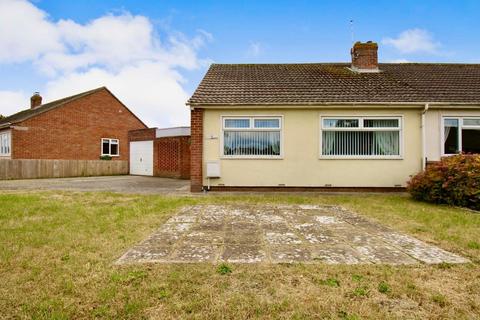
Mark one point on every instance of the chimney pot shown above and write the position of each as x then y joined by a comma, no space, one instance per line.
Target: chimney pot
35,100
365,56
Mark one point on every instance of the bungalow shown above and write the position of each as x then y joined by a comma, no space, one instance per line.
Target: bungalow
330,125
85,126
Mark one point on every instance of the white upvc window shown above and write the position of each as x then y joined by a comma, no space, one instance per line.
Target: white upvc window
110,147
252,137
460,135
5,144
361,137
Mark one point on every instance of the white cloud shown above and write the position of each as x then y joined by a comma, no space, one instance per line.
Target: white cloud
255,49
413,41
26,32
151,90
12,101
123,52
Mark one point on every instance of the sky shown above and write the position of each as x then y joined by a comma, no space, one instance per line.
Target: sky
153,54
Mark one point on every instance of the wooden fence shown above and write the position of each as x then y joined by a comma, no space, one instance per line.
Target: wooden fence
33,169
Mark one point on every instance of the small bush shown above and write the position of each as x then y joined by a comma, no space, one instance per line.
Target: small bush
454,180
105,158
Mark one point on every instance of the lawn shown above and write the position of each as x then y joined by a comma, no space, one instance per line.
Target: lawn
58,249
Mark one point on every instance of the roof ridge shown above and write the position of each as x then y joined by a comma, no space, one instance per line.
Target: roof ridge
346,63
30,112
72,97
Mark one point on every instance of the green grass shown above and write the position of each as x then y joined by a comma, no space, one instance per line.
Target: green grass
57,253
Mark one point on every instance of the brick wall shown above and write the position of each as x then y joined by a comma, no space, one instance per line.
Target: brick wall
196,150
142,134
172,157
74,131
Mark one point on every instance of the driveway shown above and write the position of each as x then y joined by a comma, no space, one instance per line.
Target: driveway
276,234
122,184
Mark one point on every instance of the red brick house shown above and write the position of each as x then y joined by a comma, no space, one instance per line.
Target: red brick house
85,126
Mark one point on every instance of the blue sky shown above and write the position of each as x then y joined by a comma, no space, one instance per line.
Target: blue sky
161,49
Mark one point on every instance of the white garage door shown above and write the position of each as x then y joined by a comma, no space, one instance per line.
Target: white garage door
141,158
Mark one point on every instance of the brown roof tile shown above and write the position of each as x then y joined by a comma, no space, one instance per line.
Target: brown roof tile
252,84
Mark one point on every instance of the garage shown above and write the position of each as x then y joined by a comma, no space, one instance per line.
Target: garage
141,158
160,152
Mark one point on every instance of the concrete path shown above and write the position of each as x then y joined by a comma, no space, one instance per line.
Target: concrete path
122,184
276,234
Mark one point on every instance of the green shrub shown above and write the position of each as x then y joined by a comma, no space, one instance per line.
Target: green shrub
105,158
454,180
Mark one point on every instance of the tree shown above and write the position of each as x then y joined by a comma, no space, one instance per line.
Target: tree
2,117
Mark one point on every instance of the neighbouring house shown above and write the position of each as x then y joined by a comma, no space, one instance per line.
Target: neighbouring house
85,126
160,152
362,124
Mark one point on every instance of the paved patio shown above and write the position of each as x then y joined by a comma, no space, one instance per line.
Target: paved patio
279,234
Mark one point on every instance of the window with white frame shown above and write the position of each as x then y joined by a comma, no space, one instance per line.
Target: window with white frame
461,135
252,137
5,144
110,147
361,137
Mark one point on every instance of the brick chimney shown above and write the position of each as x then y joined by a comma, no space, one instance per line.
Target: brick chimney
35,100
365,56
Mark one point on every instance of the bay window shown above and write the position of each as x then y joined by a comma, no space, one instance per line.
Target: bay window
110,147
461,135
361,137
252,137
5,144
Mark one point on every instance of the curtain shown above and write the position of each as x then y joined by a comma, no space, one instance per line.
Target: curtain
447,132
386,143
328,142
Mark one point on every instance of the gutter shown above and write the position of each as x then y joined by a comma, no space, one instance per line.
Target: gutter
467,105
5,125
424,137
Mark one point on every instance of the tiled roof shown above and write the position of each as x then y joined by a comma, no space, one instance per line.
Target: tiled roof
318,83
29,113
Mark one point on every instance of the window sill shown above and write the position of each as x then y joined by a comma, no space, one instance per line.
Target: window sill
360,158
109,155
450,154
251,158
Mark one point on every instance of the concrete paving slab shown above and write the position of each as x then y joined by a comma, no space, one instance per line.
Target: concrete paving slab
337,254
195,253
281,234
290,254
240,253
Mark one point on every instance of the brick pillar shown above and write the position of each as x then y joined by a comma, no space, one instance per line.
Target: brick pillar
196,150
